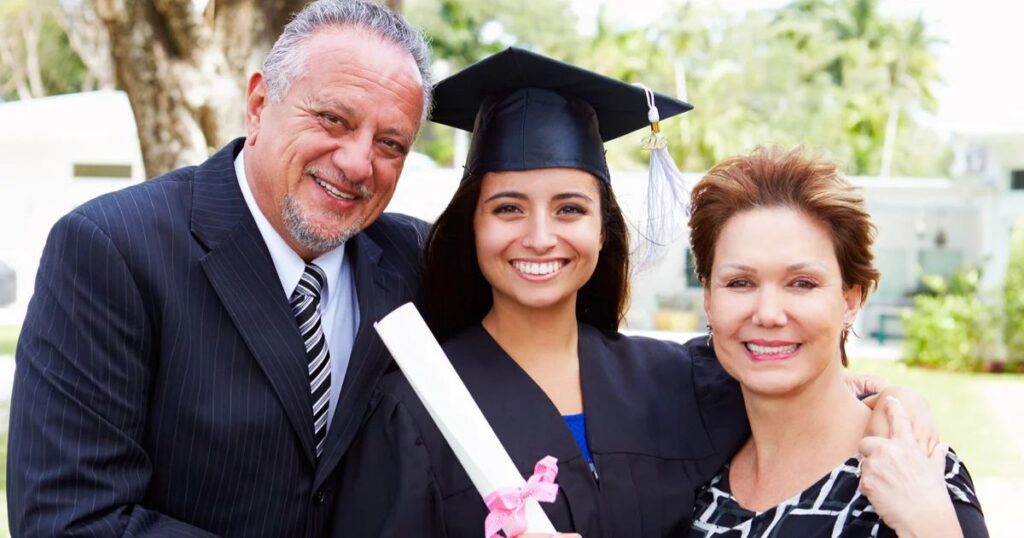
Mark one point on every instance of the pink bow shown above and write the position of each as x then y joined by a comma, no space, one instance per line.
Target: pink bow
508,505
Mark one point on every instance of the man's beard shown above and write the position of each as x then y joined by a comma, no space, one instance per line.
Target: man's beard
311,237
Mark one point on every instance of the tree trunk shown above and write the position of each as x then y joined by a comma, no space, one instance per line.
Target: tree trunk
889,142
185,71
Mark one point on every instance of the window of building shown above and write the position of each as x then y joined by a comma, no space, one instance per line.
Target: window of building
691,276
106,171
1017,180
940,261
897,269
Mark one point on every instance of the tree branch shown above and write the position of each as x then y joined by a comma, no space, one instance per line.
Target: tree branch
89,39
10,58
30,34
6,86
183,25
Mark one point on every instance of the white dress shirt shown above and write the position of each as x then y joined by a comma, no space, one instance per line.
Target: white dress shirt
339,308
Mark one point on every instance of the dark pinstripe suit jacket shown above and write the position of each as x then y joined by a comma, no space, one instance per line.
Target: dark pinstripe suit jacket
161,382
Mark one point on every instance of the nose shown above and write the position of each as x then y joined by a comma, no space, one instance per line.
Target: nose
354,157
539,235
770,311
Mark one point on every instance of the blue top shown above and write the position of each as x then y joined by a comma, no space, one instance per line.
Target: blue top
577,425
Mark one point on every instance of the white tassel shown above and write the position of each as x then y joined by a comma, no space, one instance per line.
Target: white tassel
668,195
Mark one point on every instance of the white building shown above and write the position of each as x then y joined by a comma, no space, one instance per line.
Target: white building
59,152
925,226
56,153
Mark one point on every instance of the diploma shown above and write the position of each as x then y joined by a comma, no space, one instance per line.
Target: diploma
453,409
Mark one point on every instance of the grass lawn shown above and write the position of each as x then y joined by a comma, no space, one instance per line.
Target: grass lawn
979,433
961,403
5,408
8,338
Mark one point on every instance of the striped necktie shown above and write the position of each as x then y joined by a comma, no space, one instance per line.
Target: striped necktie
305,304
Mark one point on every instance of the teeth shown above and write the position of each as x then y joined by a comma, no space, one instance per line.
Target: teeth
332,191
531,268
770,350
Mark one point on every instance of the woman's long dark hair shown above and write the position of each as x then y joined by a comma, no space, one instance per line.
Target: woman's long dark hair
456,294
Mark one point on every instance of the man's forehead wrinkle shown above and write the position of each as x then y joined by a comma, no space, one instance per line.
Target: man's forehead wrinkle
331,50
322,96
388,84
329,102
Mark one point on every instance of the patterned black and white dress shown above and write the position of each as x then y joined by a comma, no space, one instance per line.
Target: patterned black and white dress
832,507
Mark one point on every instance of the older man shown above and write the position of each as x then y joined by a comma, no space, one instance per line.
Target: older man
198,354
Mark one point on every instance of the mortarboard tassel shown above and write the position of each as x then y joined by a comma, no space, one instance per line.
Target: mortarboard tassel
667,202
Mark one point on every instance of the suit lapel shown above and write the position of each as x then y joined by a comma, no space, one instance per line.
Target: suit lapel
378,291
242,273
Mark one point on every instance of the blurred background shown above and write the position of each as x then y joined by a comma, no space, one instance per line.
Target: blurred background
919,101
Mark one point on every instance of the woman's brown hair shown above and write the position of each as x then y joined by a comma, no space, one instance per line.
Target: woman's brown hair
456,295
797,179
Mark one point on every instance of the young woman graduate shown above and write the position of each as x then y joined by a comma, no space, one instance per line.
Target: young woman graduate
525,282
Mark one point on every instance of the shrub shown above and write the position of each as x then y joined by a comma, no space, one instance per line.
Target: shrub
950,326
1013,302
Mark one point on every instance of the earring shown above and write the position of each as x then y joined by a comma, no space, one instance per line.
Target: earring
711,334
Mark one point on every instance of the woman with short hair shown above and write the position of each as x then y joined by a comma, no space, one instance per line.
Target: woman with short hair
782,243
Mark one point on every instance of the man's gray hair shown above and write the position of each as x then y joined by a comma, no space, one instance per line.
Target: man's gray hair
287,59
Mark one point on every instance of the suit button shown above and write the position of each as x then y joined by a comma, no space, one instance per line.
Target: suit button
319,497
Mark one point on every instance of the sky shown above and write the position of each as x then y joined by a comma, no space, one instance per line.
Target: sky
980,62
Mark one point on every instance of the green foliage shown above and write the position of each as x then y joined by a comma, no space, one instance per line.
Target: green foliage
464,31
950,326
833,74
1013,301
825,73
62,68
32,29
435,140
837,75
9,338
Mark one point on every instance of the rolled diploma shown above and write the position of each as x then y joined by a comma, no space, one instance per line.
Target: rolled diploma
453,409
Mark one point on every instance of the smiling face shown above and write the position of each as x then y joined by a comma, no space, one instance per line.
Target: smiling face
538,235
775,300
323,163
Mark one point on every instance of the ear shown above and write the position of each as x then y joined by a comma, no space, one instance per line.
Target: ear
707,301
852,298
255,102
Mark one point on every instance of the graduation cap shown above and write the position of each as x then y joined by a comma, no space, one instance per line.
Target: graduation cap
527,111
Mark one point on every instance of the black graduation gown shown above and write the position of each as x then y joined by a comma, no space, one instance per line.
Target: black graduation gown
661,419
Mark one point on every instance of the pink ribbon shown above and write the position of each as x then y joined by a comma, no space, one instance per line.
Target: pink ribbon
508,505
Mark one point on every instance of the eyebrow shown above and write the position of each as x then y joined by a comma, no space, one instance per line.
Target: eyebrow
794,267
331,103
572,195
506,194
346,110
520,196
